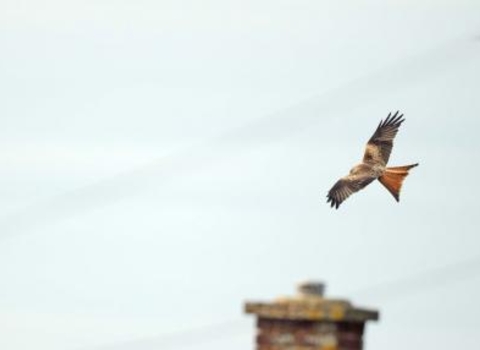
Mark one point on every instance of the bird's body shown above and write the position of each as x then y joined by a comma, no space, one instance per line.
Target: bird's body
368,168
374,165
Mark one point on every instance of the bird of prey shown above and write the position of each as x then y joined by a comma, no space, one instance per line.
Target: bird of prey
374,165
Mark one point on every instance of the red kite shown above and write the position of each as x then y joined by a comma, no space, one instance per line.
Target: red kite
374,165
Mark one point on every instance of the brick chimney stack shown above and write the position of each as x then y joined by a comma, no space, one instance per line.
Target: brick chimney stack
309,321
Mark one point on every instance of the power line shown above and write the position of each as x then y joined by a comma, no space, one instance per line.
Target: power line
433,278
273,127
390,290
185,338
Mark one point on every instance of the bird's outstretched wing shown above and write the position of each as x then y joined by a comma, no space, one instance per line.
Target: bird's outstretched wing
346,186
380,145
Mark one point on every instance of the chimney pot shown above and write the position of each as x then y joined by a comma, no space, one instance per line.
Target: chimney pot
311,288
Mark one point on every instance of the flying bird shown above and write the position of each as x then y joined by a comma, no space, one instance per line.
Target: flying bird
374,165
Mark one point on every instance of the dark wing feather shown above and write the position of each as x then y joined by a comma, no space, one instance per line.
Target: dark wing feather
346,186
380,144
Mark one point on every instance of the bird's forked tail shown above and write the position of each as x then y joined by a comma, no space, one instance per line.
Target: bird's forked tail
393,178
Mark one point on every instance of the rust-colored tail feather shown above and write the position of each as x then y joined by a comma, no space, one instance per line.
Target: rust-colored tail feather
393,178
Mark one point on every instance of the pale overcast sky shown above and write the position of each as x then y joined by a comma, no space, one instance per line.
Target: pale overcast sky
164,161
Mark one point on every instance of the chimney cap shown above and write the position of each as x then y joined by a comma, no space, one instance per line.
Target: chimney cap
310,304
